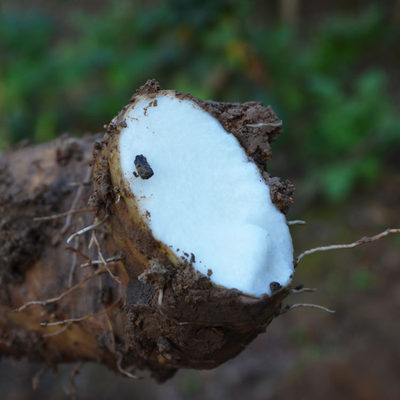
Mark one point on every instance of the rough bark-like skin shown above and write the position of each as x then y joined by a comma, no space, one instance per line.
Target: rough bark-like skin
34,263
161,315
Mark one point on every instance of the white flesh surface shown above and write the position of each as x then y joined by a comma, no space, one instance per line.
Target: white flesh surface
205,198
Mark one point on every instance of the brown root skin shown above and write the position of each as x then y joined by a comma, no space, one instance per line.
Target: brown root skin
143,308
38,181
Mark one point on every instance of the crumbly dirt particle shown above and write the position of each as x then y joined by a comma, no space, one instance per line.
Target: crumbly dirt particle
143,167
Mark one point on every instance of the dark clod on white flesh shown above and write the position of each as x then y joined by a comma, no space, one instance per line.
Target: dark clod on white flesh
143,167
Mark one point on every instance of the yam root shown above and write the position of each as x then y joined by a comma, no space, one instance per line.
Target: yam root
84,279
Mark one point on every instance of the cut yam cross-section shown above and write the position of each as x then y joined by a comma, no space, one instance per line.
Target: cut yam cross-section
205,199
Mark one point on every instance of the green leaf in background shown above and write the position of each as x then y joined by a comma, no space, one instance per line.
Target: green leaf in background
329,81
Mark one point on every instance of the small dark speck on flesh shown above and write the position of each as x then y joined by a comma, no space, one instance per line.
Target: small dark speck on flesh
275,286
143,167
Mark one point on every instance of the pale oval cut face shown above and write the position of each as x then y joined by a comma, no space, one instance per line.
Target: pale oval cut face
205,198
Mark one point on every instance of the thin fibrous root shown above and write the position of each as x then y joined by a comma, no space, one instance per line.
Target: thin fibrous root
36,378
59,332
302,290
74,184
160,297
78,252
75,201
291,307
359,242
62,295
79,319
111,331
116,279
296,222
64,214
269,124
72,384
123,371
60,381
73,265
97,262
86,229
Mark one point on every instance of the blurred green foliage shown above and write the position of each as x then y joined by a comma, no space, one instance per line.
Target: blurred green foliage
363,280
324,80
